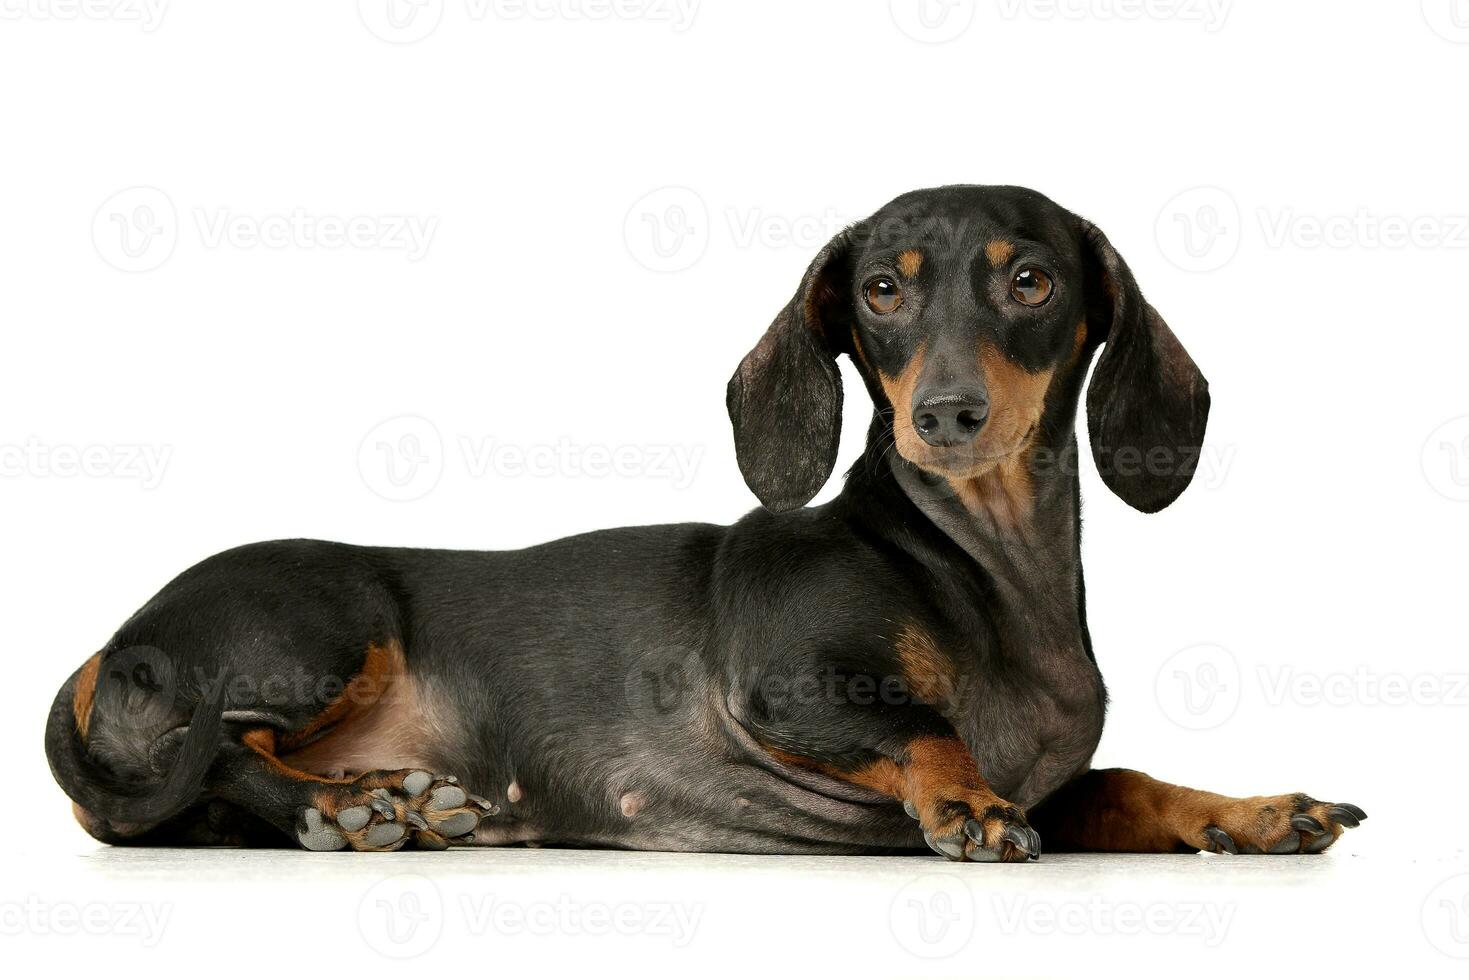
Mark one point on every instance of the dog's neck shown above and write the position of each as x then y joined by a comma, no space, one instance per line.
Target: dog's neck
1017,525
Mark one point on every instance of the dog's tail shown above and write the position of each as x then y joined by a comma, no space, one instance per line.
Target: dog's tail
95,788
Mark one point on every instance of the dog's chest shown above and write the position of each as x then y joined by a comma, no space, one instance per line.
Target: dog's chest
1031,710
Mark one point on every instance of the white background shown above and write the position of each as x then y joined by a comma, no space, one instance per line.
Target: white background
612,203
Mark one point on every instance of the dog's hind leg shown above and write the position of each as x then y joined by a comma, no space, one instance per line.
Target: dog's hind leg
380,810
148,760
360,774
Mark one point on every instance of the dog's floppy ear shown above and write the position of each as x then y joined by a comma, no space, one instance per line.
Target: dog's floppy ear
785,400
1148,403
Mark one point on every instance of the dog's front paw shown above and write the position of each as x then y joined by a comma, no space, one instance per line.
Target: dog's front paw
975,827
1290,824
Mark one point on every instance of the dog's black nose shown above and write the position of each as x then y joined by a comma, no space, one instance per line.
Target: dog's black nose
952,418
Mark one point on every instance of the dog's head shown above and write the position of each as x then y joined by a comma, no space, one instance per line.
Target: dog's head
968,310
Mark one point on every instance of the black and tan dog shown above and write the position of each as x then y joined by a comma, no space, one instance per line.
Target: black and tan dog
909,663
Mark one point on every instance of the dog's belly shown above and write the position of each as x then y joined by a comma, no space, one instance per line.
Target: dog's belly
692,781
748,810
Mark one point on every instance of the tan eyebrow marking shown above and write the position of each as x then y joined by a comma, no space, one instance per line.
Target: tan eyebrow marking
910,262
999,251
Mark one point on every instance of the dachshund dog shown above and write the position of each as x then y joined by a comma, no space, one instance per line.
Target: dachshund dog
907,665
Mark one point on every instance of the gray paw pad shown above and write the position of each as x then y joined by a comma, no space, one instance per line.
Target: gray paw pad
447,798
354,818
417,782
319,835
419,808
384,834
457,825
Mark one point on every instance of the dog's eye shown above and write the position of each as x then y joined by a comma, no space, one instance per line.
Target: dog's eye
883,295
1031,287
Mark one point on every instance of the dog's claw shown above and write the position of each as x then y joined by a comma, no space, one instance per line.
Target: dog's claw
1307,823
1346,815
1026,841
1223,843
1023,840
417,820
427,840
910,809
